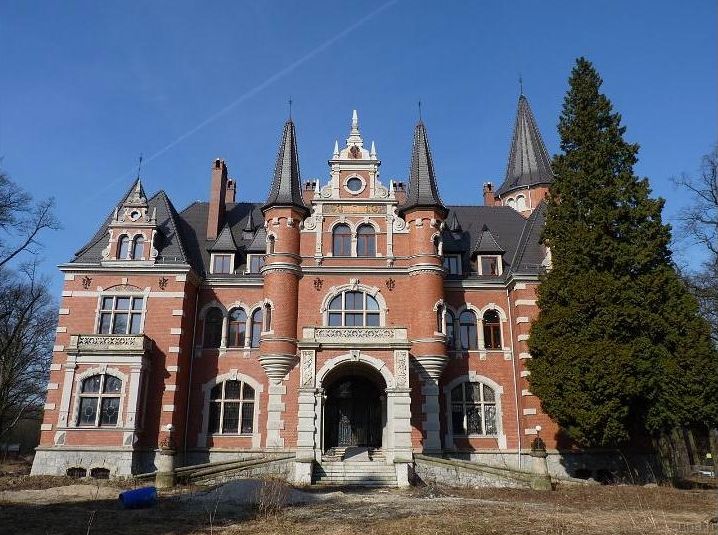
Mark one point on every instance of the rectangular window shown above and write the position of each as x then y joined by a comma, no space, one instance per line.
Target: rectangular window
222,263
255,263
121,315
490,265
452,263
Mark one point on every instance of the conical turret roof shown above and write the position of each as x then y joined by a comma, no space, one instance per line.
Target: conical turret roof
422,191
286,190
529,162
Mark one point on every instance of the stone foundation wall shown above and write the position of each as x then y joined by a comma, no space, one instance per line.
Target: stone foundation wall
120,463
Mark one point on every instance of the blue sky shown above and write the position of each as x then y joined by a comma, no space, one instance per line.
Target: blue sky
87,86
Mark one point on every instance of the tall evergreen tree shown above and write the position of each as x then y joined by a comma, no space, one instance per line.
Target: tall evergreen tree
619,348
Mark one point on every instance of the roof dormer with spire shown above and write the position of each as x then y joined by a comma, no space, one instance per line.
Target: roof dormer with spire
286,189
354,169
528,171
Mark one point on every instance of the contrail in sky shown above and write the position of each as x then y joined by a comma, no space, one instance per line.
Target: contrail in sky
249,94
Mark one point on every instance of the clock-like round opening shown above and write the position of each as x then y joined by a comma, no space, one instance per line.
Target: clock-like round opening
135,215
354,184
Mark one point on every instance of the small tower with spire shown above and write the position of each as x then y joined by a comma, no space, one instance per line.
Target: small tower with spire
528,171
283,212
132,229
424,213
354,169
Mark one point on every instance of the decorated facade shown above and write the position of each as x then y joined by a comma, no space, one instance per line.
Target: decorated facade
339,313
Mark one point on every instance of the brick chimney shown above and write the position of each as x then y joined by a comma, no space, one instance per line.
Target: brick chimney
489,199
231,192
217,196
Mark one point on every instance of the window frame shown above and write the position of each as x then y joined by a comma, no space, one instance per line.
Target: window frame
342,311
114,311
471,341
446,263
493,330
366,240
138,241
480,264
481,404
255,336
346,243
215,256
222,401
205,342
99,396
123,241
241,330
251,258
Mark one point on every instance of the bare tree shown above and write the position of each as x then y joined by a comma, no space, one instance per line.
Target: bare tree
27,311
699,226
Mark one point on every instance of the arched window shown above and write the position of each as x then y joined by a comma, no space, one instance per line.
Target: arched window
492,330
354,309
449,329
270,244
366,241
511,203
231,408
123,247
440,318
468,335
138,247
473,409
256,327
213,328
237,328
520,203
436,241
342,241
99,401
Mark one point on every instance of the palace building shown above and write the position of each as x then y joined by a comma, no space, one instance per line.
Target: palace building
337,314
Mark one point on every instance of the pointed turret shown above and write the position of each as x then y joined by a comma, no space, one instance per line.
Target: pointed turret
529,163
224,242
248,230
286,189
422,190
454,225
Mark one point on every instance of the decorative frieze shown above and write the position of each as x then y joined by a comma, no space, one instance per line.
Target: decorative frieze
109,343
401,368
308,367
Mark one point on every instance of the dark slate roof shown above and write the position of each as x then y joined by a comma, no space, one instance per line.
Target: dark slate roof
531,253
286,190
170,245
487,243
454,225
259,241
225,241
529,162
422,191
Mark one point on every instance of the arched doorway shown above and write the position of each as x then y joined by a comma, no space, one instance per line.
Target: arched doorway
354,408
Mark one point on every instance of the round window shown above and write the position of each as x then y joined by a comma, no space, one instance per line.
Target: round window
135,215
354,184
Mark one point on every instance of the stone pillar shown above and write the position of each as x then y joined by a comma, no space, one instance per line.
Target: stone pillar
541,480
275,408
430,369
165,476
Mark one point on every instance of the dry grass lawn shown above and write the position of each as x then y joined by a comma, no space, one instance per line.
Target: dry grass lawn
610,510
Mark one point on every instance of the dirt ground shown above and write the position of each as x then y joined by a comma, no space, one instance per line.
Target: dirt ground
256,507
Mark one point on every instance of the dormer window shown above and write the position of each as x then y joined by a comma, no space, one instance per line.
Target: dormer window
123,247
452,264
255,263
489,265
222,263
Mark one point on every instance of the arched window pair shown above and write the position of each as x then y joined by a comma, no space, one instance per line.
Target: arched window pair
354,309
231,408
242,330
473,409
342,241
138,246
519,203
468,331
99,401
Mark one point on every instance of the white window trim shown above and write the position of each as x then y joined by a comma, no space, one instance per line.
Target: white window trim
109,292
74,421
232,375
231,263
473,377
250,256
370,290
360,190
479,267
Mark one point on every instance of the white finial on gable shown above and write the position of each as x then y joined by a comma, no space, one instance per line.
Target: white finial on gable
335,154
354,135
372,152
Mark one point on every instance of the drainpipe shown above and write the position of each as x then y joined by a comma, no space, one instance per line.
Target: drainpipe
191,367
513,364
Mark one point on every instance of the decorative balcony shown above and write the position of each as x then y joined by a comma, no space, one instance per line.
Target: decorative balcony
356,337
109,344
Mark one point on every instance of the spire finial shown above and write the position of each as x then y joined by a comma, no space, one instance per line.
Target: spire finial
354,135
290,108
139,166
419,104
521,86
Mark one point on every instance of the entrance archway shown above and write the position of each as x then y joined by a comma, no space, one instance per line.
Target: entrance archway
354,408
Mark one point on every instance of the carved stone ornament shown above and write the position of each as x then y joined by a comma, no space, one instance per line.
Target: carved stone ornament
163,283
390,284
307,368
318,283
86,281
401,368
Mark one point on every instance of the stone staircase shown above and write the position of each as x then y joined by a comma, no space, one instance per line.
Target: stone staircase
360,467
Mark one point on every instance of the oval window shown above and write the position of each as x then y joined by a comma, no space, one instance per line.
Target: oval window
354,184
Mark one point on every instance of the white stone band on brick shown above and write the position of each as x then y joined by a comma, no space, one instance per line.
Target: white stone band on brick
529,412
525,302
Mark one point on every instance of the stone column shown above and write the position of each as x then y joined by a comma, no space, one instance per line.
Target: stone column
306,421
541,480
430,369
